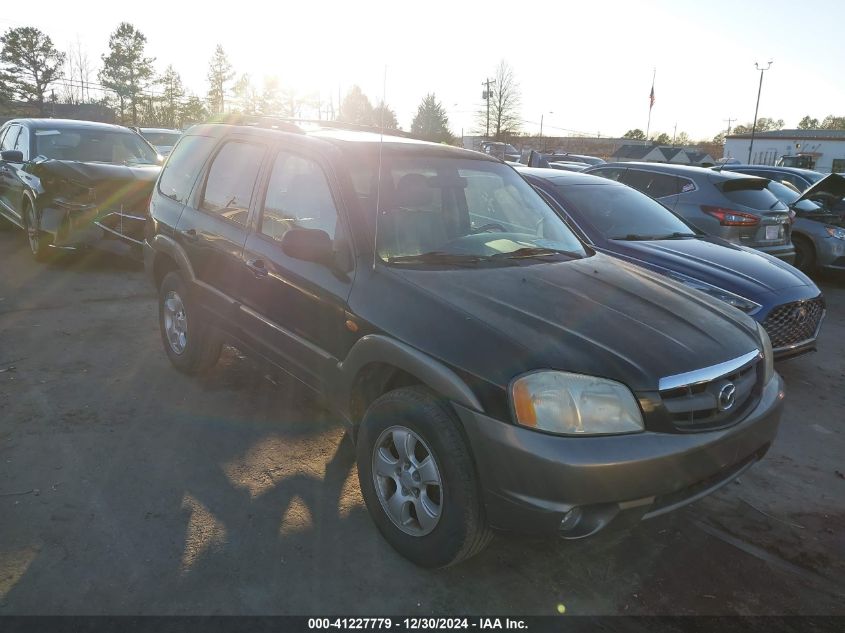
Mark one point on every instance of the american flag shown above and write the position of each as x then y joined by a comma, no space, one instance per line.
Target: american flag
651,98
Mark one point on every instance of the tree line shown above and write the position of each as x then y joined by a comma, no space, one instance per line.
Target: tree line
32,68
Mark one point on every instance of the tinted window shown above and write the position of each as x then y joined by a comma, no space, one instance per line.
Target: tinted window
183,166
655,184
22,143
788,196
611,173
758,199
231,181
10,138
619,212
161,138
298,196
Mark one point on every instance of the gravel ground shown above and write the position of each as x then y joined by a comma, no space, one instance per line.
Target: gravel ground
128,488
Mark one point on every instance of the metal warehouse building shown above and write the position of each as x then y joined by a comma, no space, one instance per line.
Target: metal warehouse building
826,147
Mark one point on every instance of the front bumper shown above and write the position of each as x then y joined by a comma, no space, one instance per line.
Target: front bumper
531,480
86,227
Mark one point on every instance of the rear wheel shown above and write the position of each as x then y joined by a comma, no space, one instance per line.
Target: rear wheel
191,346
418,479
805,254
39,242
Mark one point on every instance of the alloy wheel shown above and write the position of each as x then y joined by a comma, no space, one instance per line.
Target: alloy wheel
175,322
407,481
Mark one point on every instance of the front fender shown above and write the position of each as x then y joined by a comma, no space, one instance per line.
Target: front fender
381,349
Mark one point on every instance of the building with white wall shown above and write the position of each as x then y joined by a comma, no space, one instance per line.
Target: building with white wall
826,147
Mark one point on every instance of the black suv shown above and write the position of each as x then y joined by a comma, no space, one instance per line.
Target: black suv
494,371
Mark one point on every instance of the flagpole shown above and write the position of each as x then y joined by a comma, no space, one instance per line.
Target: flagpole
650,104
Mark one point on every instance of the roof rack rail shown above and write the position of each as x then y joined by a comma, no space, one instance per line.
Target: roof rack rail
255,120
354,127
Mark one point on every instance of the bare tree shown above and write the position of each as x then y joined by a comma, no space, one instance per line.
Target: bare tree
78,70
504,104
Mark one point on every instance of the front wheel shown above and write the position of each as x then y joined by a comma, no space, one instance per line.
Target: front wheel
39,242
805,254
189,344
418,479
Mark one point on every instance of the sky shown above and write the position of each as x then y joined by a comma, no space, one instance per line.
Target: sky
582,66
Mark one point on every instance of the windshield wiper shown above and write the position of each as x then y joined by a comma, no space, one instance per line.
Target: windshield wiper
438,257
533,251
634,237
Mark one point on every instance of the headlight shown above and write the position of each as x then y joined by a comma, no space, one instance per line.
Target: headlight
768,355
746,305
574,404
835,231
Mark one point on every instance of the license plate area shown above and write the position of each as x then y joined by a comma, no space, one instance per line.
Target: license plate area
774,232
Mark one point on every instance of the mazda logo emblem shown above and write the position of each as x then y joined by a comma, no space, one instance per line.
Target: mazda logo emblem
727,396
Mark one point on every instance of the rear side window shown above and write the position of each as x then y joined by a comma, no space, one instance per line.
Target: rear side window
657,185
231,181
182,168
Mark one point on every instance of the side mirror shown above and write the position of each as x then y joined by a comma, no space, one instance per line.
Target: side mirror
311,245
12,156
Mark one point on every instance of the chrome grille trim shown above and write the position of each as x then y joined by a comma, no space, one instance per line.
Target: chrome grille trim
706,374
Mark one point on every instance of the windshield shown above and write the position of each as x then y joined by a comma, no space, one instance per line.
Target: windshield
788,196
167,139
94,146
619,212
448,210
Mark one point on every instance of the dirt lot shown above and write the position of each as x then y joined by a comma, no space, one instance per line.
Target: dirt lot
127,488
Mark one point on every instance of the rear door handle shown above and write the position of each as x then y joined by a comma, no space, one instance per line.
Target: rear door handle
189,234
257,267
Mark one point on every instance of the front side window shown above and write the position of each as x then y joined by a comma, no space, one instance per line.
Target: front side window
298,196
22,143
231,181
611,173
94,146
622,213
182,168
10,137
437,209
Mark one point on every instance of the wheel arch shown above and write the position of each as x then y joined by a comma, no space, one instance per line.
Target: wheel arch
167,256
377,364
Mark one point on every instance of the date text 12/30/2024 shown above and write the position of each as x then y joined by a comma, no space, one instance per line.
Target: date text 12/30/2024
416,624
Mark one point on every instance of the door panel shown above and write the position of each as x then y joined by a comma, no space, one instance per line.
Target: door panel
291,308
213,234
11,188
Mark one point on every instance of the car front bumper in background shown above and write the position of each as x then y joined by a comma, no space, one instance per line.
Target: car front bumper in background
576,486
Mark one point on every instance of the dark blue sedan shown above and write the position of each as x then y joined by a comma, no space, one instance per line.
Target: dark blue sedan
620,221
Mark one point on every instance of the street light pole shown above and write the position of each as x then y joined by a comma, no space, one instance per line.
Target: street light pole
757,107
543,114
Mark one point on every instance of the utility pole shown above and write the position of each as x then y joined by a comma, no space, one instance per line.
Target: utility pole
486,95
674,134
729,120
759,90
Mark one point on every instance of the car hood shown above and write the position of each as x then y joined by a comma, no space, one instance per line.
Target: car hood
597,316
92,174
716,262
831,186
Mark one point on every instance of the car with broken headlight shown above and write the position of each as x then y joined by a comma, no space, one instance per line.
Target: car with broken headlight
71,184
492,370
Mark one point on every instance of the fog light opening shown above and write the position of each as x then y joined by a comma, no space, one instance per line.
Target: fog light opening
571,519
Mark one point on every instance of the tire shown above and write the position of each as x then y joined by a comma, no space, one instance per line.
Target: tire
191,346
805,254
460,529
39,242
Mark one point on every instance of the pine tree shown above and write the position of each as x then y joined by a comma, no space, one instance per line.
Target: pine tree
431,123
125,69
30,64
220,73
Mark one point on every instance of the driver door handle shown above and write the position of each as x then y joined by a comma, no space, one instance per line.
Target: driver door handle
189,234
257,267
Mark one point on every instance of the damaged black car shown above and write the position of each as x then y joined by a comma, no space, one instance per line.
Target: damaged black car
72,184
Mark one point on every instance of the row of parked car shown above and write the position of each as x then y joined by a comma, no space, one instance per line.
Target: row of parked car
537,351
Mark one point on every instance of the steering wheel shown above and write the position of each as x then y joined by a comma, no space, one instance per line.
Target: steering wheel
490,227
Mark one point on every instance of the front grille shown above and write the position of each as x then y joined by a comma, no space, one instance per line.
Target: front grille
716,402
793,323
